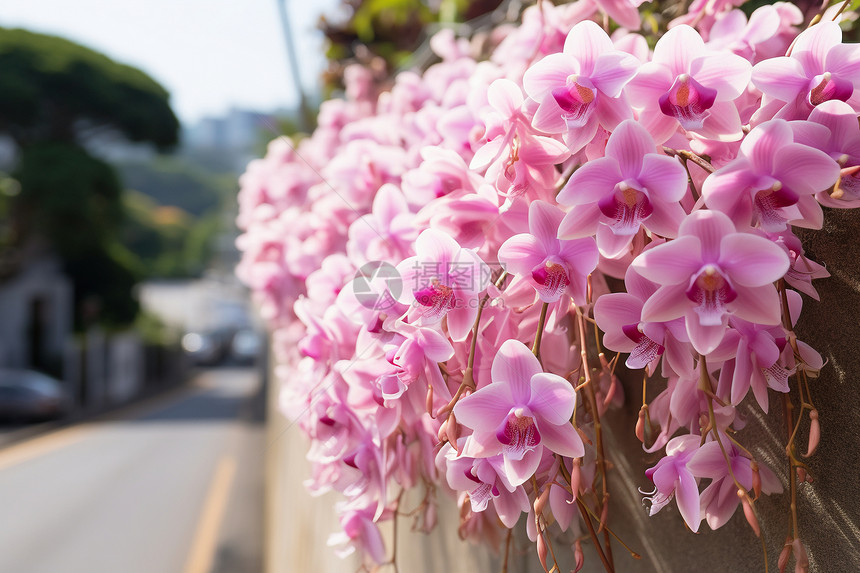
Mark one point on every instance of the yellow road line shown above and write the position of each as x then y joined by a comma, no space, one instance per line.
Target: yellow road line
33,448
37,446
202,555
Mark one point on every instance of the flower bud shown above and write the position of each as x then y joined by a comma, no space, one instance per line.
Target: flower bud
801,474
452,431
801,561
542,550
640,424
749,512
784,555
541,500
814,433
443,432
576,477
428,404
604,513
578,555
756,479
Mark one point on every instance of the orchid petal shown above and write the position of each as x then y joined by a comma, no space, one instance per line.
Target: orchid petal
670,263
752,260
515,364
486,407
553,398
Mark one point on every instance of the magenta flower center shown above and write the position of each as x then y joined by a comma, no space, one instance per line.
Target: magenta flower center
688,101
552,279
826,87
625,209
518,434
646,349
769,204
576,99
437,298
711,291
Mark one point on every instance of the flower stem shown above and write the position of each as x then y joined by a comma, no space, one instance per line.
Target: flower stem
539,335
582,509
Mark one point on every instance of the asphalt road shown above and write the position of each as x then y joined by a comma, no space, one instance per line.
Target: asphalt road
174,485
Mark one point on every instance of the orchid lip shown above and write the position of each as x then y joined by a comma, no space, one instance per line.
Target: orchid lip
576,99
711,291
518,434
688,101
646,350
437,298
769,204
551,279
625,209
826,87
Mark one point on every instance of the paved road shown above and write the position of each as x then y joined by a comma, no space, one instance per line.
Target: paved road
172,486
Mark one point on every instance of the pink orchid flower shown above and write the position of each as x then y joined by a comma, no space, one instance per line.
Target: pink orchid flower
581,88
734,33
709,272
687,85
841,141
772,181
672,479
619,316
485,480
443,280
516,157
552,266
632,186
521,412
820,68
387,233
802,270
719,500
359,531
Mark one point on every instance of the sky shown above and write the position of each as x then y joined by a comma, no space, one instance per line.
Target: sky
209,54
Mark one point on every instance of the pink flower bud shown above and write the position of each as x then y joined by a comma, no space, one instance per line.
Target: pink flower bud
640,424
801,561
428,404
443,432
541,500
604,512
576,477
578,555
814,433
749,512
756,479
453,431
542,551
784,555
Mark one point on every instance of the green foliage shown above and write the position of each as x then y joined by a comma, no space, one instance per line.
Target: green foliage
390,30
103,281
67,196
167,241
175,182
53,95
50,86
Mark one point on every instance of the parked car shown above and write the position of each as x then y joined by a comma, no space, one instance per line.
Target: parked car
28,396
246,346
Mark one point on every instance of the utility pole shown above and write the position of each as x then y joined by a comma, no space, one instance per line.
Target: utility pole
305,121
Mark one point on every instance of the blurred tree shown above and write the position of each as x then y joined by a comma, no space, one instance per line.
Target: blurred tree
55,96
52,89
384,34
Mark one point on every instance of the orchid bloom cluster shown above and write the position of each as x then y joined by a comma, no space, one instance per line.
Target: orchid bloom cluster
433,263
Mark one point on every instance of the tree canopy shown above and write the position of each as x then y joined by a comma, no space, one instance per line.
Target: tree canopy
50,88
